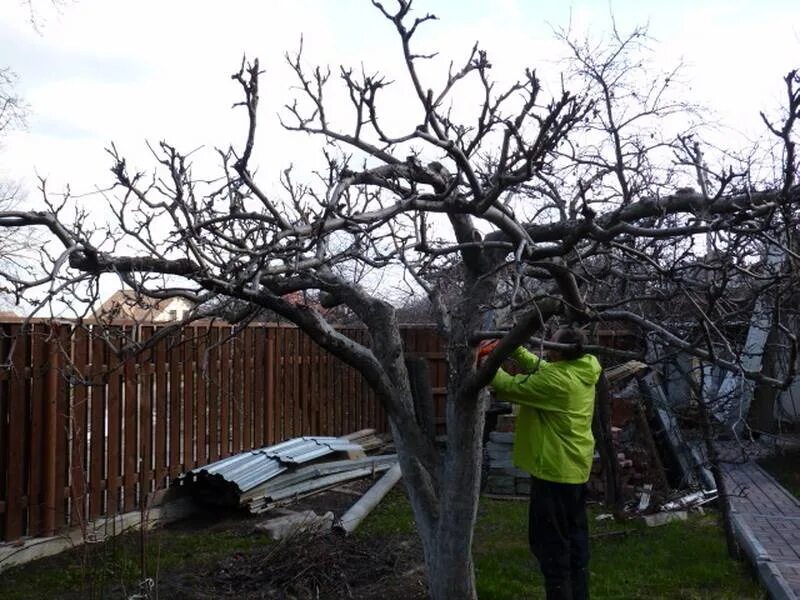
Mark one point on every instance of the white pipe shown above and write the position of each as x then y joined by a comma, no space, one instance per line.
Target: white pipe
353,517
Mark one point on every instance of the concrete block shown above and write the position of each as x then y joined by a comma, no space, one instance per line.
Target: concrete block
502,437
303,522
663,518
501,484
506,423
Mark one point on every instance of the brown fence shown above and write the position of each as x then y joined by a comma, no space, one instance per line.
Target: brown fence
84,434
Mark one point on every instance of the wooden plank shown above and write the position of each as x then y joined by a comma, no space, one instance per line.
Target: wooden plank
317,405
175,386
305,371
62,430
200,384
225,393
236,393
97,451
246,364
259,376
162,418
130,428
78,426
14,518
146,405
295,398
338,397
36,435
270,419
213,395
358,405
49,472
280,385
188,429
114,448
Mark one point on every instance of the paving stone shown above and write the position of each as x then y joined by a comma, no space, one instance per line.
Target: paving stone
773,516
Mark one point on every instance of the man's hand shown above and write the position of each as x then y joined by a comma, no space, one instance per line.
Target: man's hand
485,348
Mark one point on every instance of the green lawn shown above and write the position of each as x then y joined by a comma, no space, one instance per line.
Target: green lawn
685,560
680,560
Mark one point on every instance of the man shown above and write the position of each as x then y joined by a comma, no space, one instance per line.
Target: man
554,443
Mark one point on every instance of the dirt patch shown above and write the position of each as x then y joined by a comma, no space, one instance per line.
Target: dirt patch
302,566
327,566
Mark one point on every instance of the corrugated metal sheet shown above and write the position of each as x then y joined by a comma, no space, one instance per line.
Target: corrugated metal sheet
252,468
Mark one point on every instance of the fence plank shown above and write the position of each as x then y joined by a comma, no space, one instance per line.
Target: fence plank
225,393
200,383
280,385
162,411
270,419
97,454
175,386
36,439
16,435
259,375
62,427
236,393
129,428
294,356
78,468
146,397
114,430
188,429
213,395
246,366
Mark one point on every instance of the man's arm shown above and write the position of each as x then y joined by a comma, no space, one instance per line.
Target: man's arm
528,361
533,390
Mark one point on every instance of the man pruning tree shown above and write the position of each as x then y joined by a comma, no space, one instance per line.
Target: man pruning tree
554,443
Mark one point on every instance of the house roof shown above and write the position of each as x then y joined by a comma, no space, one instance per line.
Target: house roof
128,304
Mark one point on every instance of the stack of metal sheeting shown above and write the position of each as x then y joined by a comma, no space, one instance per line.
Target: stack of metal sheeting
224,481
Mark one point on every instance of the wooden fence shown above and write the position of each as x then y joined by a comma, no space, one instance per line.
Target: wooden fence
84,434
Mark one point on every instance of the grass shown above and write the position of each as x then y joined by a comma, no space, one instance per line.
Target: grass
89,572
679,560
684,560
786,469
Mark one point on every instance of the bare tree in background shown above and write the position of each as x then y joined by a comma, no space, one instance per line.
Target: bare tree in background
555,201
15,246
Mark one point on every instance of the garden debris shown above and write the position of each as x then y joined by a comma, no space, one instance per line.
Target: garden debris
644,500
617,373
691,500
368,439
604,517
353,517
662,518
294,567
294,523
322,477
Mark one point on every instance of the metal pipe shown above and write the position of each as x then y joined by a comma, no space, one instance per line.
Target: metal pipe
353,517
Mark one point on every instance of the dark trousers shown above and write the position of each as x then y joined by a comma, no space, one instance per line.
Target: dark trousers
559,537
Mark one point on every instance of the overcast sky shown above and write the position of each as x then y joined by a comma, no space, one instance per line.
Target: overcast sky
129,71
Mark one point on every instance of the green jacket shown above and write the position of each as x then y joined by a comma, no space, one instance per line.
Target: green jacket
554,438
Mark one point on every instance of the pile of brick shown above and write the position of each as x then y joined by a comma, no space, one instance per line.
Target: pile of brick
504,479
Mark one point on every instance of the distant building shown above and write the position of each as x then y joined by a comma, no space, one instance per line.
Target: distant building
127,304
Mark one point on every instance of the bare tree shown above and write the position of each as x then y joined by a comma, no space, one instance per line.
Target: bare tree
14,245
557,202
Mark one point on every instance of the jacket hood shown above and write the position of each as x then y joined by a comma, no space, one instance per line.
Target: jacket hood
586,368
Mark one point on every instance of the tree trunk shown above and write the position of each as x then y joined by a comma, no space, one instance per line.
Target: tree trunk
451,569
